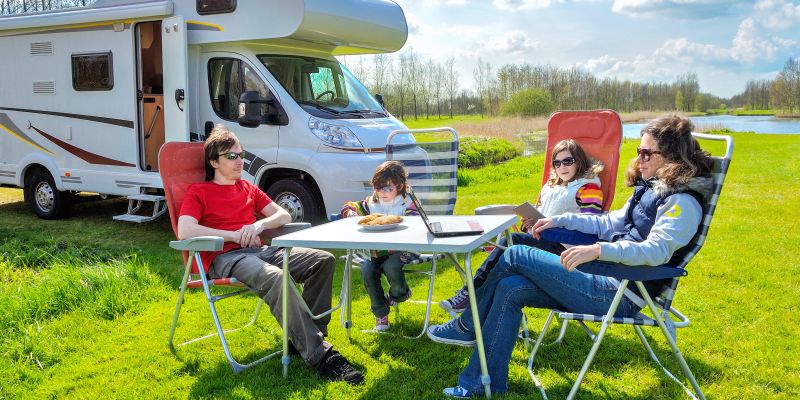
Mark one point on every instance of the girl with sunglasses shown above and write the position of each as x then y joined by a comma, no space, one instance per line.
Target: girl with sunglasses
573,187
670,176
390,197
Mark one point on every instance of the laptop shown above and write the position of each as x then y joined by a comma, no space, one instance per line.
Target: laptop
447,229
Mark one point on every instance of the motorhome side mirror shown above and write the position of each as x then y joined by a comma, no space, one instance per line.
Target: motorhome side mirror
380,100
250,109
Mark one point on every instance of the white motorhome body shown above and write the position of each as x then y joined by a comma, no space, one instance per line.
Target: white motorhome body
88,95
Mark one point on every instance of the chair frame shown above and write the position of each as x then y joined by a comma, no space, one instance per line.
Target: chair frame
660,309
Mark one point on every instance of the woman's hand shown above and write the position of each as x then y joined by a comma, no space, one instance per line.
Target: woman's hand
539,226
527,223
575,256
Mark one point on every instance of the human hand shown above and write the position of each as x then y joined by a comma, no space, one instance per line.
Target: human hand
349,213
527,223
575,256
248,236
539,226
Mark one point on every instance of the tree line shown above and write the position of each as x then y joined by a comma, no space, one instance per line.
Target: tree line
25,6
781,94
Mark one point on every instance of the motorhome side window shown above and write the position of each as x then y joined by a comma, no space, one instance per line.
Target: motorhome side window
92,71
228,79
205,7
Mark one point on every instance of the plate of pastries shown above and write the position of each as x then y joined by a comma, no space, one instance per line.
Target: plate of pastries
380,222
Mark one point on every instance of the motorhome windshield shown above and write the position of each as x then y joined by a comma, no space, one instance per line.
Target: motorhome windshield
323,87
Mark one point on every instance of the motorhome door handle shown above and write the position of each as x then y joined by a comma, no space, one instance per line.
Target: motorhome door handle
179,96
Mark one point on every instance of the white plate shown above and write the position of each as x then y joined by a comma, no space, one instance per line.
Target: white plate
380,227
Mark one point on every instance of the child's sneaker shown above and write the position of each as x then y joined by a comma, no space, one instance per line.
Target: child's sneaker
382,323
457,303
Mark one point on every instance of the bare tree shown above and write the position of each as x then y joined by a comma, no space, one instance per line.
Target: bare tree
451,82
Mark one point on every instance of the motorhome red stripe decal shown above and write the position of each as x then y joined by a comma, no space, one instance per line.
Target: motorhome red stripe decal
84,155
111,121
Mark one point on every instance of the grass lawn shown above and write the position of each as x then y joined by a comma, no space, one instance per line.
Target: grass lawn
87,304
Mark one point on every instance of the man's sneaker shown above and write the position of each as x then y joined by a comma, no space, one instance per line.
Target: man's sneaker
457,392
451,333
382,323
457,303
335,367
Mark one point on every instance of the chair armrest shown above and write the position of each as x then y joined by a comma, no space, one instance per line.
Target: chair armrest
495,209
200,243
634,273
567,236
268,234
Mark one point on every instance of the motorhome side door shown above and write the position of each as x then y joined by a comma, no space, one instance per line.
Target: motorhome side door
176,80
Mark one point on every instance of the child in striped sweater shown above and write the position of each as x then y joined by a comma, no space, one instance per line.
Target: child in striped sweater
573,187
389,198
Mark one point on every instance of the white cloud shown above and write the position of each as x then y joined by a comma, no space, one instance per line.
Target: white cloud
777,13
681,9
520,4
749,45
682,50
515,41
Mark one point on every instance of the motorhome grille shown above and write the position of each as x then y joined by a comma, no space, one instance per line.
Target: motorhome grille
44,87
41,48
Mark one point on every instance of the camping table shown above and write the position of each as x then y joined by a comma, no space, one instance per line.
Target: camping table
411,235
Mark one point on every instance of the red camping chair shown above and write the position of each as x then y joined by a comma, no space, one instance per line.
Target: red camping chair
599,132
180,165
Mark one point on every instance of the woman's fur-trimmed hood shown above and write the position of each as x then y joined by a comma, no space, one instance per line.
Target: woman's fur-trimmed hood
700,184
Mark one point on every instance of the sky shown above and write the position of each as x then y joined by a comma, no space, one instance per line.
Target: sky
725,42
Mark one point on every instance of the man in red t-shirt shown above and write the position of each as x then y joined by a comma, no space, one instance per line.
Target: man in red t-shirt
225,205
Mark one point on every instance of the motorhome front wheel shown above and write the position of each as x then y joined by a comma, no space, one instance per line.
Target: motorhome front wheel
44,198
296,197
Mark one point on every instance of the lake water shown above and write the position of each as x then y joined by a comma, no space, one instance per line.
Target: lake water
757,124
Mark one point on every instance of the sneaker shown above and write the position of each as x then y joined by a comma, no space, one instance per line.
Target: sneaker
457,392
457,303
451,333
382,323
335,367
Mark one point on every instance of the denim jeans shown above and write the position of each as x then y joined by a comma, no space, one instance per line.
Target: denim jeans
392,267
528,277
516,238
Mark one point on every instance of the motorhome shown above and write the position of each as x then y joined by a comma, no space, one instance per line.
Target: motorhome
89,95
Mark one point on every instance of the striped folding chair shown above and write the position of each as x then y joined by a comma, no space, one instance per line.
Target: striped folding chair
660,307
181,164
432,173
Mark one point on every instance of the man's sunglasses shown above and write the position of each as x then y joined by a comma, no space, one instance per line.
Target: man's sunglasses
567,162
386,189
232,156
645,154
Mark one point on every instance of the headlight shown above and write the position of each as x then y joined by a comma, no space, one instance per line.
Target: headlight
332,134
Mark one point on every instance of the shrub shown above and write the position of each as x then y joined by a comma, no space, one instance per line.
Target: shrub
477,152
528,103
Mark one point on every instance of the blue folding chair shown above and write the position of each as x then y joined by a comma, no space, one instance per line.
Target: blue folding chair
661,306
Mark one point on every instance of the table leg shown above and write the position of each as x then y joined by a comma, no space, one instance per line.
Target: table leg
285,312
473,304
349,271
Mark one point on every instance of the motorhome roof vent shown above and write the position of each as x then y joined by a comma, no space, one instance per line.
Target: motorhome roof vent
41,48
44,87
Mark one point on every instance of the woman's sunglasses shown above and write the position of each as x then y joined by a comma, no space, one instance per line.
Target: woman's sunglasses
567,162
645,154
232,156
386,189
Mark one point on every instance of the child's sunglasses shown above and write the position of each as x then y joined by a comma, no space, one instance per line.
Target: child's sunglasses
232,156
567,162
386,189
645,154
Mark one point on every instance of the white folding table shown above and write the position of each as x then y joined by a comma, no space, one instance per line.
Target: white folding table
410,235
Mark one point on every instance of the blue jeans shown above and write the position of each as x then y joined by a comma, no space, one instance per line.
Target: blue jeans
516,238
392,267
528,277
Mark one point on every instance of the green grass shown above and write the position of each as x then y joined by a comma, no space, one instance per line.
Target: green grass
87,304
436,122
751,112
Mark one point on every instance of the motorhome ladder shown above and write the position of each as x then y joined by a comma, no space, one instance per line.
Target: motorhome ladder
135,204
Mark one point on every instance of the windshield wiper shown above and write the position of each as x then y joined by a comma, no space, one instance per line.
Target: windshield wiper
362,112
319,106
